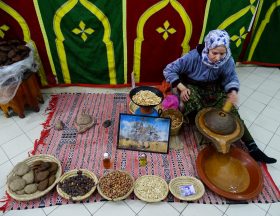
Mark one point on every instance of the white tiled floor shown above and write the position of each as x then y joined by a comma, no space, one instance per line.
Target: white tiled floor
259,106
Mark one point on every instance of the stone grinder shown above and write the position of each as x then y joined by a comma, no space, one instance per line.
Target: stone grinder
219,126
229,172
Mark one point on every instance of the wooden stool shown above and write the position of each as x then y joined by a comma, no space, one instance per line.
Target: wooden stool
28,94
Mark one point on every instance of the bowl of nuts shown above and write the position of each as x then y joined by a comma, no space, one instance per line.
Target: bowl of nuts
151,188
77,184
146,96
33,177
116,185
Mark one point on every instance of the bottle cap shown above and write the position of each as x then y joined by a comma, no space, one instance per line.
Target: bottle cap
106,155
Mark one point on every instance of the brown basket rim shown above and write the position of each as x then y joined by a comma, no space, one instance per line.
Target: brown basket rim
119,198
176,112
160,179
184,180
37,194
74,173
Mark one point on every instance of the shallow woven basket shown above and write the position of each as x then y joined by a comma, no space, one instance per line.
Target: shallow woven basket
179,115
74,173
119,198
29,161
174,187
143,194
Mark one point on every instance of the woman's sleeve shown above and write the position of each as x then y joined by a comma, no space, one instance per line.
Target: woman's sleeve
174,69
230,81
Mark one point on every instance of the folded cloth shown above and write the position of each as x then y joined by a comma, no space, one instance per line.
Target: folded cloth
170,102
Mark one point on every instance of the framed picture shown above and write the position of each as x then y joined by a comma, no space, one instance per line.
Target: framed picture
143,133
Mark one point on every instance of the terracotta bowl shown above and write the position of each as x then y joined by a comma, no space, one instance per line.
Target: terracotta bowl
241,180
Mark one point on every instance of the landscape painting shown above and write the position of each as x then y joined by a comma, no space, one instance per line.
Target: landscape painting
143,133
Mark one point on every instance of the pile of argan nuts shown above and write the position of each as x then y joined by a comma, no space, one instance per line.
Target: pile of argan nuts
116,184
12,51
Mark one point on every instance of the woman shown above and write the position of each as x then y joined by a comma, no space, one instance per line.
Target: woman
206,77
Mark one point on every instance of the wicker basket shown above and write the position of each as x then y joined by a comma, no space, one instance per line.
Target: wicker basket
179,118
29,161
151,188
74,173
176,183
118,198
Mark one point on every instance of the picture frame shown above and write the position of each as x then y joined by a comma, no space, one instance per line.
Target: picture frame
143,133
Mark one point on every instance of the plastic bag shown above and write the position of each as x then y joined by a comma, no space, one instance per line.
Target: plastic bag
11,76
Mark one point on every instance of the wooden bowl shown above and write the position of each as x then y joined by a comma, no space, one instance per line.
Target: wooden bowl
71,173
235,175
29,161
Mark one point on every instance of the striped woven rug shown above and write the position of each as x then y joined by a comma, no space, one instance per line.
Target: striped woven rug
85,150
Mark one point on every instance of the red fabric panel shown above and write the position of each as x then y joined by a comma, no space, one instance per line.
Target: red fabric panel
156,53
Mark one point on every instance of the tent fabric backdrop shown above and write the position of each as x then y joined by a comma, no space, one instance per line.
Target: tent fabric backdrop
264,45
103,42
234,17
159,32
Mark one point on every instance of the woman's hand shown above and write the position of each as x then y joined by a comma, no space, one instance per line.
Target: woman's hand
233,97
185,94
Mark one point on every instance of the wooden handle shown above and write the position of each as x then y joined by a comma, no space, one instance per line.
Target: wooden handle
227,106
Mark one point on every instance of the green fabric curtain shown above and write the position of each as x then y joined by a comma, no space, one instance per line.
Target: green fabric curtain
232,16
85,39
264,45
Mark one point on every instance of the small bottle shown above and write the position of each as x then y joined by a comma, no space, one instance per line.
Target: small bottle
143,159
106,160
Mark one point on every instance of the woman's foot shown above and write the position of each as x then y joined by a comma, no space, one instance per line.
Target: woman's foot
259,155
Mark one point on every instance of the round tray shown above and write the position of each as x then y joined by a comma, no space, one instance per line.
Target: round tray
176,183
133,107
74,173
146,88
118,198
29,161
222,170
151,188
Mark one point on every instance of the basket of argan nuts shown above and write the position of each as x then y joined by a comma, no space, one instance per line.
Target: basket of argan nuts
116,185
77,185
34,177
177,120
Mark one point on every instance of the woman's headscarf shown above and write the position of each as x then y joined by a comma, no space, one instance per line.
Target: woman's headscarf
212,40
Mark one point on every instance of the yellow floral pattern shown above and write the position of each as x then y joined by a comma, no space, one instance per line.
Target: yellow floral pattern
83,31
238,38
165,30
3,28
252,7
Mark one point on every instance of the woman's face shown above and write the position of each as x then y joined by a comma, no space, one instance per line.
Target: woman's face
217,53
